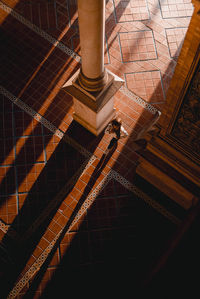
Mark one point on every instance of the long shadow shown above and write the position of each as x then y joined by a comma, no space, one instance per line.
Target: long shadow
105,254
41,204
85,276
94,177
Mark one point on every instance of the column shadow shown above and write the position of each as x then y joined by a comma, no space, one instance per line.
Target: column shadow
42,203
105,253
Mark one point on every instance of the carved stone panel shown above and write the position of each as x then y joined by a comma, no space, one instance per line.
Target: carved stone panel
186,128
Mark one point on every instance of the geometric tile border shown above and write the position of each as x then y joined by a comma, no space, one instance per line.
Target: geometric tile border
131,187
138,100
4,227
33,269
67,139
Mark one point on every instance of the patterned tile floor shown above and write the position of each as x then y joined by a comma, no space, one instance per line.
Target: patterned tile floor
59,216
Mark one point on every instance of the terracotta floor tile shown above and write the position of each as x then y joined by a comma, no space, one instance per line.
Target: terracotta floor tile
177,9
134,46
141,46
175,39
148,85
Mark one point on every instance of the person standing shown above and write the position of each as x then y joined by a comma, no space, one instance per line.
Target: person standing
117,131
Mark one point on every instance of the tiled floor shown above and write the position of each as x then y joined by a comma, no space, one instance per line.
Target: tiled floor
59,216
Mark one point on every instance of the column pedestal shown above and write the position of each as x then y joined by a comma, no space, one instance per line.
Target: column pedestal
93,87
93,110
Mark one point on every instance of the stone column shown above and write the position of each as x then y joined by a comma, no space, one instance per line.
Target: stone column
92,87
91,16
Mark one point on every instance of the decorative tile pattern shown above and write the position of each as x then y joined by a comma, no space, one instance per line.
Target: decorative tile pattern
139,51
148,85
138,100
137,46
128,11
175,38
176,8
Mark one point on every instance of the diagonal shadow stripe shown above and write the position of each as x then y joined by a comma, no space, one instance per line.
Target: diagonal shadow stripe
41,32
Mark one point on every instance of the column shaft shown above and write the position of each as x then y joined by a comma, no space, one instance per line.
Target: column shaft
91,17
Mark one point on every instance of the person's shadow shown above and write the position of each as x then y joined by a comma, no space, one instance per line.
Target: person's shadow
107,155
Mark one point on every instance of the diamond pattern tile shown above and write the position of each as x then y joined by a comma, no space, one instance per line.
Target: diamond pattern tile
137,46
148,85
127,11
175,38
176,8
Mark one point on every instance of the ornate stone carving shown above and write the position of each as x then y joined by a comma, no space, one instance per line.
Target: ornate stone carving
187,125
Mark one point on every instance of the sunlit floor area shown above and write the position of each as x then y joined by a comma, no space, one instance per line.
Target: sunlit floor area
67,226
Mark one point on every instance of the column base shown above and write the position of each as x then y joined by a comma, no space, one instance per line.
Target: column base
93,85
93,110
94,122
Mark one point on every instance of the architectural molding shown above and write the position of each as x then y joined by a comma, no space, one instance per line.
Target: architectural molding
175,144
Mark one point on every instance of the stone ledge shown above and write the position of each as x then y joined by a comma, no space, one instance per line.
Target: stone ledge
165,184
